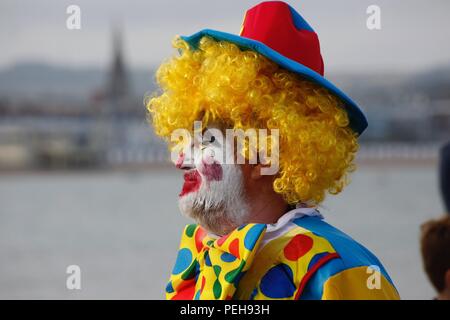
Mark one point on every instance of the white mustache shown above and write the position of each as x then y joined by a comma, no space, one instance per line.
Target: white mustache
218,206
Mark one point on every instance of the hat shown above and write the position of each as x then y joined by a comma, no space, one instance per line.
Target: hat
275,30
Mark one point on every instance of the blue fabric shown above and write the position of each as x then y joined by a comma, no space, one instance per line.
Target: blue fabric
299,22
314,288
358,121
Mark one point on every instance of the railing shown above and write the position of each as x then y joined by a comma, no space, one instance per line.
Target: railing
399,151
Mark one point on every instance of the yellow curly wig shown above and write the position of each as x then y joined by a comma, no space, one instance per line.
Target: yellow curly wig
218,81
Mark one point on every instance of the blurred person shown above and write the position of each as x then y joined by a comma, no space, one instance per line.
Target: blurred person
435,248
444,175
259,235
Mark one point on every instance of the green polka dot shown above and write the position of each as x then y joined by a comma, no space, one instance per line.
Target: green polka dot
217,270
231,276
217,289
191,271
190,229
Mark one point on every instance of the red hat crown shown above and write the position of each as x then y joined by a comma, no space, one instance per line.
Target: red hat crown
281,28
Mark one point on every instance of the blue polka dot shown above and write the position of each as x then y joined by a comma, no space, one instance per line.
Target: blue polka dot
169,287
184,259
238,278
197,295
227,257
316,258
252,235
278,282
254,292
207,259
242,227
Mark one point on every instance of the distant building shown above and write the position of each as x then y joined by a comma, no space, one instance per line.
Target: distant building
129,137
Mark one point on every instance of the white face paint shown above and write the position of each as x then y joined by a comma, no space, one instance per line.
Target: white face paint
213,192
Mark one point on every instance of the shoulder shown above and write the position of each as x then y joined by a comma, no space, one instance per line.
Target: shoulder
284,264
351,252
351,273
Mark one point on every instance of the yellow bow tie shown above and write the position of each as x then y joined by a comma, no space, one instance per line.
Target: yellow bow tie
208,268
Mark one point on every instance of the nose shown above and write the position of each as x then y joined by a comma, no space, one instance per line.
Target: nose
183,162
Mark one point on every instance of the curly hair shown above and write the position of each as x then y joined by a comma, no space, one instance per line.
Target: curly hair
220,82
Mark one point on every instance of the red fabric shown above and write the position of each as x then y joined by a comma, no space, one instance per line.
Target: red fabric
199,236
272,24
311,271
186,291
298,247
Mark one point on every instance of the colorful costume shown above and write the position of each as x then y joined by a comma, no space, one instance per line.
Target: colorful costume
300,257
270,76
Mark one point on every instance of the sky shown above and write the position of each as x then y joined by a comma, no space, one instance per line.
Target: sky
413,37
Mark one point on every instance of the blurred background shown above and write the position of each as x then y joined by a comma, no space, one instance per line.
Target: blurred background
84,181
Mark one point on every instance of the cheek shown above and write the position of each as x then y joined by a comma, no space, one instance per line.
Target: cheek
212,172
180,160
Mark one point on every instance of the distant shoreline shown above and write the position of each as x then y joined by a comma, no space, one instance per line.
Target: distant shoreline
163,167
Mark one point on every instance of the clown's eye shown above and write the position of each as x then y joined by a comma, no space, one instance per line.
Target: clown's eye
208,140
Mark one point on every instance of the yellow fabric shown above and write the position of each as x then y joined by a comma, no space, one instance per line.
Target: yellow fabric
213,277
352,284
233,267
273,254
236,266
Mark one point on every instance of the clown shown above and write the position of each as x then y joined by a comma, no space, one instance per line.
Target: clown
260,235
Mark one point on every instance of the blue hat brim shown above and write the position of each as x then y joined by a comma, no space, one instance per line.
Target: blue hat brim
357,119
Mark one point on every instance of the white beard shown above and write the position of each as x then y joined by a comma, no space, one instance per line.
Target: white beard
218,206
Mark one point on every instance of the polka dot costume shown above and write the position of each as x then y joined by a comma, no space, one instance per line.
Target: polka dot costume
234,267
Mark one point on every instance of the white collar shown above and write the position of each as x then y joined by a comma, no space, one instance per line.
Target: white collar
289,216
283,223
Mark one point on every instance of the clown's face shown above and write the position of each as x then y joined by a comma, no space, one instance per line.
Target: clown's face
213,192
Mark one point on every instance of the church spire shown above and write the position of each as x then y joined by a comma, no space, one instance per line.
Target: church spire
118,82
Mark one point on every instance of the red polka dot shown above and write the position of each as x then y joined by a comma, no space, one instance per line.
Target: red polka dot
298,247
203,284
185,291
221,240
234,248
199,236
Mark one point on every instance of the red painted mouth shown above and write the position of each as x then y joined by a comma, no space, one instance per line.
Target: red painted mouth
192,181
